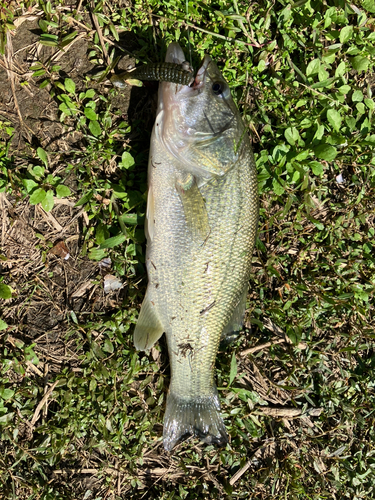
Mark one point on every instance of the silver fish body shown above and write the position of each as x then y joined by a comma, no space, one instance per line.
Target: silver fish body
202,216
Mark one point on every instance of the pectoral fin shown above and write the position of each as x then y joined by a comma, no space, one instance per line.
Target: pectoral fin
148,329
194,207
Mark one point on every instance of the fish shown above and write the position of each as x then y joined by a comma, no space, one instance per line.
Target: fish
165,72
201,224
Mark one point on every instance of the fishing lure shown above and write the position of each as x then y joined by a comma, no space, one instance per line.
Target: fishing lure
162,72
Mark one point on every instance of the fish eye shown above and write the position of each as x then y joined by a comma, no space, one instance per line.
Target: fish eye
217,88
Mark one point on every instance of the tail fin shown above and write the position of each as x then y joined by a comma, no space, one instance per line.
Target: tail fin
200,417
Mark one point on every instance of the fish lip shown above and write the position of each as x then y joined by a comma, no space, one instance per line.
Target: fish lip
200,77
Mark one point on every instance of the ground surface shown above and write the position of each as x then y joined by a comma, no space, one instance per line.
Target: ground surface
80,410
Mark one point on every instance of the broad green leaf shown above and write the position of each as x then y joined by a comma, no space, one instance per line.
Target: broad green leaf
48,202
344,89
325,152
313,67
346,33
37,196
360,107
357,96
369,5
3,325
316,167
119,192
370,104
261,65
69,85
5,291
360,63
277,187
68,109
42,155
341,69
233,368
29,184
291,135
38,171
108,346
62,191
6,394
90,114
90,93
127,160
114,241
95,128
334,119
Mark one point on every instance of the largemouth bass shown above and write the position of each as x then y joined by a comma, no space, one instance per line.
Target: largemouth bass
202,216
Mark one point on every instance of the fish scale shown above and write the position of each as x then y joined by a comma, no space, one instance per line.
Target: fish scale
202,214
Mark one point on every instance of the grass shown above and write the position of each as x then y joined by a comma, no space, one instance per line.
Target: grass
297,390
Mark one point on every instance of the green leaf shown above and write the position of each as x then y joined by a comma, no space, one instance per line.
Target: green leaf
114,241
108,346
37,196
42,155
85,198
97,254
325,152
341,69
62,191
323,84
3,325
5,291
90,93
369,5
29,184
127,160
344,89
313,67
346,33
294,334
334,119
48,201
360,63
49,40
370,104
233,368
6,394
291,135
95,128
90,113
316,167
69,85
277,187
357,96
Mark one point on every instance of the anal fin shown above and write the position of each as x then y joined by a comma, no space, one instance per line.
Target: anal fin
235,323
148,329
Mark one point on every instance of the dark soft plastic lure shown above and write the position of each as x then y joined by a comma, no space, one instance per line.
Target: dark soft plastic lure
161,72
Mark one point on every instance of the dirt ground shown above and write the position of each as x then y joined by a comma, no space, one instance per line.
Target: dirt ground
48,288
